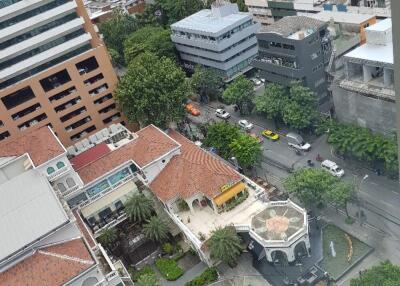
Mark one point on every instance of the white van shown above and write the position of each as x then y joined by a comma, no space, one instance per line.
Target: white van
332,168
297,142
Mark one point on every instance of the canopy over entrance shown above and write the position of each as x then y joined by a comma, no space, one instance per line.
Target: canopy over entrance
229,193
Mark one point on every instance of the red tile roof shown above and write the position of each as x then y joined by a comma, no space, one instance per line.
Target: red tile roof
151,144
41,145
193,171
50,266
89,156
84,230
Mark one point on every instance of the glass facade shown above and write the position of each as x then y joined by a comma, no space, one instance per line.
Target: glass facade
32,13
98,188
115,178
5,3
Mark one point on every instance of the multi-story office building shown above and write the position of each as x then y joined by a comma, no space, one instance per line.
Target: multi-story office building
221,38
54,70
364,90
268,11
296,48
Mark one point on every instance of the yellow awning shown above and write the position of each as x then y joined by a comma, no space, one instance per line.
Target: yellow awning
122,193
229,193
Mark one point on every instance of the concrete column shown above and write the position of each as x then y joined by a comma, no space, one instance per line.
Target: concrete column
387,77
367,73
190,204
395,7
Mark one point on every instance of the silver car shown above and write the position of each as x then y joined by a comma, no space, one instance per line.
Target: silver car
244,124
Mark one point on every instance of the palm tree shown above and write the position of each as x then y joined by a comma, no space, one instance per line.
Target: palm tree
225,245
138,207
156,229
149,279
108,236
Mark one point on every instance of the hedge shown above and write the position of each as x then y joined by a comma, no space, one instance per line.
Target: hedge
169,268
135,274
208,276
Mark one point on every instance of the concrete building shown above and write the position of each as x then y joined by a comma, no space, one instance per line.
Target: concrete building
269,11
364,92
221,38
42,241
54,70
296,48
396,49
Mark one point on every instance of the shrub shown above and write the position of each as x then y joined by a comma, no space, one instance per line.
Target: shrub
235,202
208,276
136,274
182,205
169,268
168,248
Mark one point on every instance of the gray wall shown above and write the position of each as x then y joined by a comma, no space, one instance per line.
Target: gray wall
375,114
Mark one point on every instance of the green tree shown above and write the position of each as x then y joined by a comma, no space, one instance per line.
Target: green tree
340,194
149,279
108,236
149,16
246,149
206,83
272,102
155,40
242,6
115,31
241,93
220,135
300,111
384,274
310,186
153,91
176,10
225,245
156,229
138,207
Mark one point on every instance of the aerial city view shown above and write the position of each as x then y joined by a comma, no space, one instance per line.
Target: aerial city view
199,142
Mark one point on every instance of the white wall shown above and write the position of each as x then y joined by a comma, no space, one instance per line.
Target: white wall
151,171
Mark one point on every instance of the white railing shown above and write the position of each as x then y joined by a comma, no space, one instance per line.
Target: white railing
71,190
56,174
189,234
111,224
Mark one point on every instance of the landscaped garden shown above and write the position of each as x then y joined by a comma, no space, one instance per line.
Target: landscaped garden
344,251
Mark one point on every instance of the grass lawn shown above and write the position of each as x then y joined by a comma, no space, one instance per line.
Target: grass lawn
337,265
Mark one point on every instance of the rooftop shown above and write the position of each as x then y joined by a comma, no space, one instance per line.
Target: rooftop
29,209
290,25
50,266
341,17
150,145
40,144
381,26
212,21
89,156
374,53
191,172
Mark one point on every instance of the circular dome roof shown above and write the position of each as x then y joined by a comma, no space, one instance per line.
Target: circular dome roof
278,221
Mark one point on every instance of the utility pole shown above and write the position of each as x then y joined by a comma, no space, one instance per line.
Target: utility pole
395,7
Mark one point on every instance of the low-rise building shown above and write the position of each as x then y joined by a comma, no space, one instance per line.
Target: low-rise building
221,38
295,48
363,92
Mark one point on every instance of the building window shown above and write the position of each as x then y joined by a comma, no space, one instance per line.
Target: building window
61,187
87,65
50,170
60,165
70,182
18,97
55,80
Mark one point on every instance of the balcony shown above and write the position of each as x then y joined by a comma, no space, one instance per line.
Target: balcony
63,94
93,79
32,122
57,173
98,90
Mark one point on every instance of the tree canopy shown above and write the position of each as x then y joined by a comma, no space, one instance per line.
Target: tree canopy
241,93
206,83
151,39
176,10
138,207
108,236
246,149
156,229
384,274
220,135
314,187
225,245
115,31
153,91
271,102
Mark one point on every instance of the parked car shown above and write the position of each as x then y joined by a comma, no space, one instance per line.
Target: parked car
221,113
270,135
192,110
258,138
297,142
245,125
256,81
332,168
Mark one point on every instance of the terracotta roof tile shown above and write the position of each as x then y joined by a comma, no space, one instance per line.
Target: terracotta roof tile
193,171
84,230
50,266
150,145
41,145
89,156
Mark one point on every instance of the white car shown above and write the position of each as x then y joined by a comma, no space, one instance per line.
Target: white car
256,81
245,124
221,113
332,168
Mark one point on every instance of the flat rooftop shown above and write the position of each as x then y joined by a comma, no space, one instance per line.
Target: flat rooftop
205,21
290,25
375,53
381,26
29,210
342,17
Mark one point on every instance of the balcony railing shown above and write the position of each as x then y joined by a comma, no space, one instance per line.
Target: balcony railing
58,173
71,190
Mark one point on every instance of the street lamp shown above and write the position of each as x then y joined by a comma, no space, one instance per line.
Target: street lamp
358,197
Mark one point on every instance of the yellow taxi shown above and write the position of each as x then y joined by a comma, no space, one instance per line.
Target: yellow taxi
270,135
